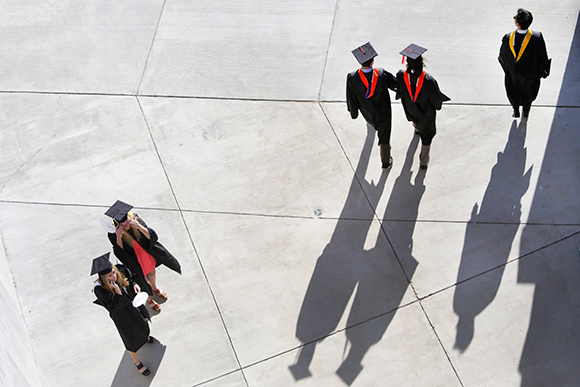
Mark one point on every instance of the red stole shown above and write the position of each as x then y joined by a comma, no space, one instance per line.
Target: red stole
407,78
370,90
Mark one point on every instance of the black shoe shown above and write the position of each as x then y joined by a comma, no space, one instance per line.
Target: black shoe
526,113
517,113
423,167
389,164
144,372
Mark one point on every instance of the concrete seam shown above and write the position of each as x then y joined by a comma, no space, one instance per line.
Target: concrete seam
440,343
502,265
192,242
222,98
151,47
288,216
327,50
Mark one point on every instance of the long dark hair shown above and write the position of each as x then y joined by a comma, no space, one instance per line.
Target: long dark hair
415,65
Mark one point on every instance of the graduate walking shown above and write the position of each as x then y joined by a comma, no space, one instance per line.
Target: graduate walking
115,291
367,91
524,60
421,98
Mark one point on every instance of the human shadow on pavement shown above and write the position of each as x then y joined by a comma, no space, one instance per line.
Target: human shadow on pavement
487,246
345,270
128,375
551,353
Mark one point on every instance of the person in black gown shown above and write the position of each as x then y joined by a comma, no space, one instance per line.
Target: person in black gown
136,245
420,97
367,91
524,60
115,290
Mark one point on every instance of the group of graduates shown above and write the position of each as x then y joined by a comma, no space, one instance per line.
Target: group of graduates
522,55
123,289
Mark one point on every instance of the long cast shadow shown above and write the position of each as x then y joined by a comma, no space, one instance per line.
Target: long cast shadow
345,270
388,275
128,375
482,249
551,353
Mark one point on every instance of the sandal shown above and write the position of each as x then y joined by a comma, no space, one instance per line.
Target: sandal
145,372
160,293
154,305
151,340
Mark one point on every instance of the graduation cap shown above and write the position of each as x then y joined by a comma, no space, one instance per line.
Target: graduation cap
364,53
412,51
118,211
101,265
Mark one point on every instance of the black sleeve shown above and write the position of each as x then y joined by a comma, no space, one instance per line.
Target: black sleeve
351,98
390,81
152,232
437,97
545,63
502,53
110,303
398,80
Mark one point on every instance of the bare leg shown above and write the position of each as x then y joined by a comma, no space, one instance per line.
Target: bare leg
151,280
135,358
150,301
144,370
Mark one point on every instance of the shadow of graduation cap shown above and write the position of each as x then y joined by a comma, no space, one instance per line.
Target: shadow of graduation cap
412,51
101,265
119,211
364,53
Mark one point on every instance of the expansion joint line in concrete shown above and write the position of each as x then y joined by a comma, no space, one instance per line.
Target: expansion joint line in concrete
440,343
502,265
151,47
327,50
192,242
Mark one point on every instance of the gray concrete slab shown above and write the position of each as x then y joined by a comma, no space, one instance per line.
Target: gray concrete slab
281,283
266,50
514,333
271,158
303,262
395,357
16,353
73,149
76,47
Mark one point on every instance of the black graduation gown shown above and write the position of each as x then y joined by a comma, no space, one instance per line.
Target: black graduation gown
376,110
522,78
422,112
130,321
128,257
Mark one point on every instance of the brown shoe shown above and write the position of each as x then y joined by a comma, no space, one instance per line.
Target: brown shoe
160,293
154,305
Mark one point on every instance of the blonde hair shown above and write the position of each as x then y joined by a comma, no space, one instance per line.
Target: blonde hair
130,234
121,281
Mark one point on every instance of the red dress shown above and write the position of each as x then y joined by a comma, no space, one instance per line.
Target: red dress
146,261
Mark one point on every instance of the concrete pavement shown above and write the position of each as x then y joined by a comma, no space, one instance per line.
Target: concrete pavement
304,264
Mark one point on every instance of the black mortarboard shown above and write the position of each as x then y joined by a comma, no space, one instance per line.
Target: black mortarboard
364,53
118,211
101,265
413,51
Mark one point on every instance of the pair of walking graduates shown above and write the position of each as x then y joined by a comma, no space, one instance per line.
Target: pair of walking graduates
367,90
123,289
